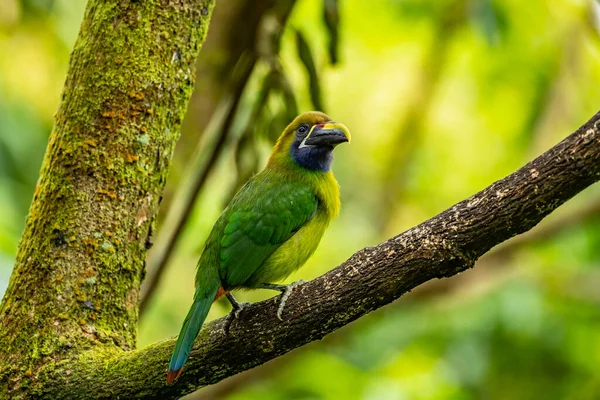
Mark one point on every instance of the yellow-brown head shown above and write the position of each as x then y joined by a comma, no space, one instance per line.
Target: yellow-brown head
309,141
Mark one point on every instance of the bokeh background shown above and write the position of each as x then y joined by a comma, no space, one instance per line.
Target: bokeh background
442,98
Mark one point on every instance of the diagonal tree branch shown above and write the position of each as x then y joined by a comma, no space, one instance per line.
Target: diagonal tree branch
499,256
442,246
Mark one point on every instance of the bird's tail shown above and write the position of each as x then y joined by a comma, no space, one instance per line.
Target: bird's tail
203,299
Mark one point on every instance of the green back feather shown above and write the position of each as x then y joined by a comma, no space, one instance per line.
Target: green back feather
264,214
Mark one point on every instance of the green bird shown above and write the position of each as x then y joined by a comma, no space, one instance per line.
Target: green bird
270,227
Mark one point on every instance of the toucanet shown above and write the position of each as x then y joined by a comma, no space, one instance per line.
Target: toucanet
271,226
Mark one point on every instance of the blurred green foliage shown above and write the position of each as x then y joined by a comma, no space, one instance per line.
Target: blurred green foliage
490,85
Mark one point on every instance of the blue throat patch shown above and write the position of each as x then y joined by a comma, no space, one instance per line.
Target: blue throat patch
316,158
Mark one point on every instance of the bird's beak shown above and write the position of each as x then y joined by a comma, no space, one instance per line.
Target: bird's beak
327,134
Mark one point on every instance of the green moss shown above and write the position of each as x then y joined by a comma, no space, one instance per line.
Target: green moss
81,257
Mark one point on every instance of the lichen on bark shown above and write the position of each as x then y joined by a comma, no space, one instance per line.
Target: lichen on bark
80,261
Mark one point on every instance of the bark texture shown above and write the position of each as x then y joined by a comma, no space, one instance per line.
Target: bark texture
75,285
443,246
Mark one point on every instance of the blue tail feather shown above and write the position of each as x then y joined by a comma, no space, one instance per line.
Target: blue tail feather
203,299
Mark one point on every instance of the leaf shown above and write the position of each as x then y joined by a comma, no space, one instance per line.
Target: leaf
487,17
37,7
307,59
331,17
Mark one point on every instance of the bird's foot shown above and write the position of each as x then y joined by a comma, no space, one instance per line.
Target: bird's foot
285,295
237,306
286,291
236,309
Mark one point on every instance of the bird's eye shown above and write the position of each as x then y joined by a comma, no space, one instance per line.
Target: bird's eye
302,129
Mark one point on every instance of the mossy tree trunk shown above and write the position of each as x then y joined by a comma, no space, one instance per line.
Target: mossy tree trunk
80,262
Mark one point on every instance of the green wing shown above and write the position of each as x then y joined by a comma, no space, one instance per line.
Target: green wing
258,222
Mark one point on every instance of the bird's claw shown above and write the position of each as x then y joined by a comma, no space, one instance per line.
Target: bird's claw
234,314
236,311
285,294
